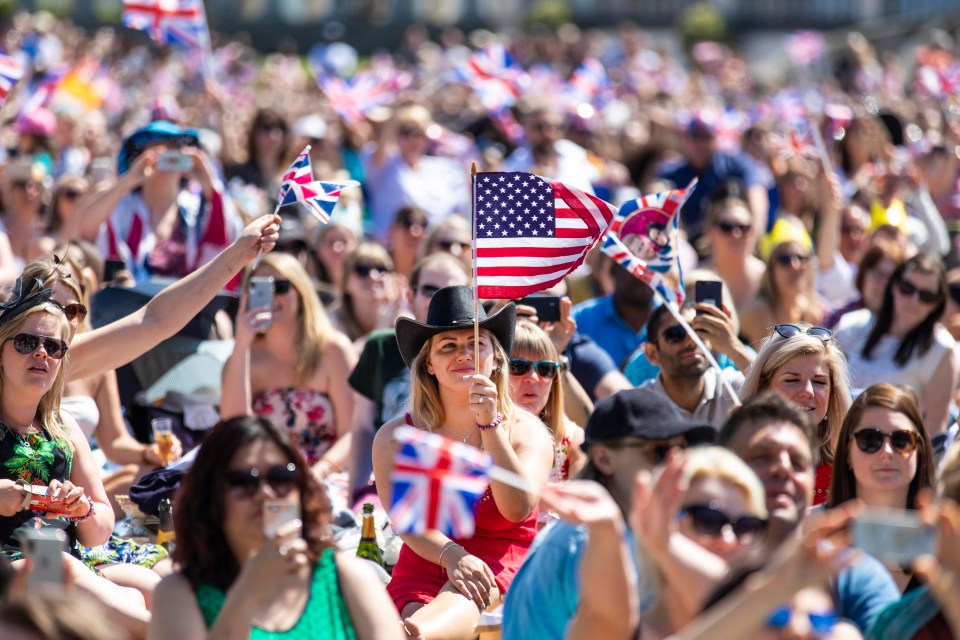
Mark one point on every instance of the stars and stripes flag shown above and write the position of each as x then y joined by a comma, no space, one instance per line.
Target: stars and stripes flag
530,232
797,142
299,186
494,75
436,483
10,72
179,23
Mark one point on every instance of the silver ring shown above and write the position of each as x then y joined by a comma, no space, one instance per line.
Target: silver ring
283,551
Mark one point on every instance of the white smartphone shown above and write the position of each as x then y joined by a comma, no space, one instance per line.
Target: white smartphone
261,295
174,161
45,549
893,536
277,513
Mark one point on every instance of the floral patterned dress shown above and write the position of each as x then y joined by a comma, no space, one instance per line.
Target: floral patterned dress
308,414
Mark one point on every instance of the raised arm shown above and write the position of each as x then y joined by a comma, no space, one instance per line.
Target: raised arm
94,209
170,310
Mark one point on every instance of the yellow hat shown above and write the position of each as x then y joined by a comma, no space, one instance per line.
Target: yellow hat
894,215
785,230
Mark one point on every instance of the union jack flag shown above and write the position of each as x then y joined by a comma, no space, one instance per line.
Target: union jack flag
43,91
940,83
531,232
10,72
796,143
353,99
806,47
653,279
299,186
493,74
180,23
589,82
436,483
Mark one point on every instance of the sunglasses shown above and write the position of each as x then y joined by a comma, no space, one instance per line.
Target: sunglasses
656,452
28,343
70,194
75,311
366,270
728,228
545,368
926,296
418,225
791,259
821,623
673,335
23,184
281,287
282,479
452,246
871,440
791,330
710,521
426,290
411,132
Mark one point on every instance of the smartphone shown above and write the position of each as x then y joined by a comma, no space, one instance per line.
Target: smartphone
548,307
261,295
102,169
893,536
45,548
174,161
111,268
277,513
709,292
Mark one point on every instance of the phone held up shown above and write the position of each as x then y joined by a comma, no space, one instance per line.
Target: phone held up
548,307
261,295
174,161
709,292
893,536
277,513
45,549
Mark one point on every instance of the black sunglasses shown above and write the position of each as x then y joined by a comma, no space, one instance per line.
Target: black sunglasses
729,227
282,479
365,270
954,290
657,452
791,330
27,343
411,132
926,296
426,290
788,259
407,223
710,521
870,440
281,287
75,311
674,334
545,368
71,194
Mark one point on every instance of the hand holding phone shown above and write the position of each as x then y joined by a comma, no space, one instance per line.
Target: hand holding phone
174,161
261,295
277,513
709,292
893,536
547,307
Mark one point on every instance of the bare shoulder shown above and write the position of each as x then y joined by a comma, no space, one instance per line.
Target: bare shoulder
356,571
384,435
174,593
528,430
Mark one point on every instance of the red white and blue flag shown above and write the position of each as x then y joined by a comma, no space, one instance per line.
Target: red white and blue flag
530,232
589,83
806,47
353,99
299,186
436,483
797,142
493,74
10,73
179,23
653,279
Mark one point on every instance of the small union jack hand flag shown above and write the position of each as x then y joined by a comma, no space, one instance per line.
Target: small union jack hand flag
10,72
436,483
796,143
299,186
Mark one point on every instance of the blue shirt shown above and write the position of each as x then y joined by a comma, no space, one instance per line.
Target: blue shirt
863,590
545,593
598,319
588,363
723,167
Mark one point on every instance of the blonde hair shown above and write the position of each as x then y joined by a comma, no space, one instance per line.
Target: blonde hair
427,407
313,326
365,252
719,463
529,339
776,351
51,273
48,411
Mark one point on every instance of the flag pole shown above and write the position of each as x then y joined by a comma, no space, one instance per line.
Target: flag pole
476,297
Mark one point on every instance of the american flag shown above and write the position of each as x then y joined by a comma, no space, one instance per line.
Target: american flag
806,47
10,72
531,232
493,74
299,186
653,279
181,23
795,143
436,483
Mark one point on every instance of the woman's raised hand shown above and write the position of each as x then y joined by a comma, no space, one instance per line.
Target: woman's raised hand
261,235
247,322
470,575
483,398
268,567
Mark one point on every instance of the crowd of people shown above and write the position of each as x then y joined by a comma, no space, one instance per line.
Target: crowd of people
660,495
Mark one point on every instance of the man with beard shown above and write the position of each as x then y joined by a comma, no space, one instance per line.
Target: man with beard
686,379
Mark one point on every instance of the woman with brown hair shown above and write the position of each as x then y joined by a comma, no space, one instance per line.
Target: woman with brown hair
371,295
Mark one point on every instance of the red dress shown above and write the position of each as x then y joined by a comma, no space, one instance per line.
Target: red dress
498,542
821,484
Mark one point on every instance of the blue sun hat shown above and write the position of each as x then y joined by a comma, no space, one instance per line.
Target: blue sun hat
157,131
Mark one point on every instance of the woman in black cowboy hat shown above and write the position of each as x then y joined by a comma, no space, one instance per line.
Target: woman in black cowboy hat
440,585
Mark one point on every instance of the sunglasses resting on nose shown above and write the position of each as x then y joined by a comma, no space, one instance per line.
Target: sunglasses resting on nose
727,228
674,334
789,259
710,521
282,479
871,440
27,343
545,368
425,290
907,288
365,270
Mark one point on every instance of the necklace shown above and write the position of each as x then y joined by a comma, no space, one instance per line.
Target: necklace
462,438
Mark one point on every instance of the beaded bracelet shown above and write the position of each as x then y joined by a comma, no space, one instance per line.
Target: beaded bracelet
89,514
493,425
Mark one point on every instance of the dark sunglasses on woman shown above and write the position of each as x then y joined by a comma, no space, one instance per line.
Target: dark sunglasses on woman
954,289
281,287
282,479
545,368
75,311
789,259
728,228
710,521
27,343
787,330
926,296
425,290
365,270
870,440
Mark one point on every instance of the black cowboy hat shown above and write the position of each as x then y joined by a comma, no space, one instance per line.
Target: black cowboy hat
451,308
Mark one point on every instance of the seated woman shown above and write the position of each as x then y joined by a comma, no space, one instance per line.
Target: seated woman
295,372
235,580
892,460
371,296
460,390
40,445
903,342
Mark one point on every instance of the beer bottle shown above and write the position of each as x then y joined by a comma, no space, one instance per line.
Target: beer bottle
368,547
166,537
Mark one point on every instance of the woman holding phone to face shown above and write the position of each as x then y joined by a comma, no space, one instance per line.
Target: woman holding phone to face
234,580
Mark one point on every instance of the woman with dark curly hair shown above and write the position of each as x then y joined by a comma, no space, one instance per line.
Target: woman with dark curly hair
237,578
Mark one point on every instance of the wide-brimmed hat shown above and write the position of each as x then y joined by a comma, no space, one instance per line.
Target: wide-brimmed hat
451,308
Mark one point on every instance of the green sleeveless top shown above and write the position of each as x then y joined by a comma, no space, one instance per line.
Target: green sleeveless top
325,615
